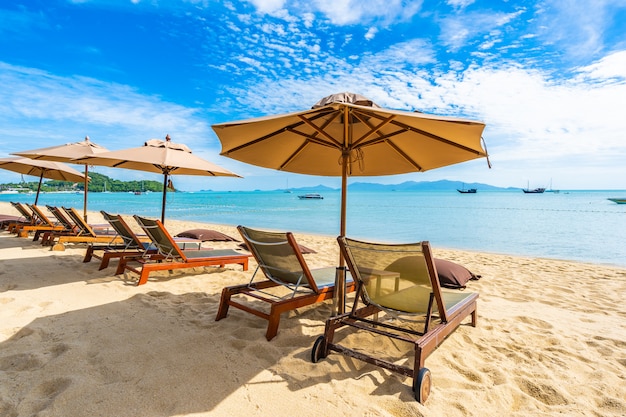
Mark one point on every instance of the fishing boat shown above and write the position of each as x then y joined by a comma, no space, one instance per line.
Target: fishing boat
468,191
534,191
527,190
618,200
310,196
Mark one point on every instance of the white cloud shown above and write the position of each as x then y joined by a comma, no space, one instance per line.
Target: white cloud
268,6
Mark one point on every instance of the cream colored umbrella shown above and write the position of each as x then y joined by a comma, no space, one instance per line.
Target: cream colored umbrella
68,152
42,169
162,157
348,135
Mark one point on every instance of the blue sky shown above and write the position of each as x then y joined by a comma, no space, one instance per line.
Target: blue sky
547,77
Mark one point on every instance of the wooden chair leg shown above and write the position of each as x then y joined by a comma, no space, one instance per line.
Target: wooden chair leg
222,310
88,253
272,327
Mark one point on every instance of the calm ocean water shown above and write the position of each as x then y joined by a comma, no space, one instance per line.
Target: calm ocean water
574,225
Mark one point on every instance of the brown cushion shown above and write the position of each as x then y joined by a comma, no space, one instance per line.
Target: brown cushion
206,235
303,249
453,275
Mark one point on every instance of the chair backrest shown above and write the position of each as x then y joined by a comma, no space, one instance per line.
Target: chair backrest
123,230
279,257
161,238
83,226
45,220
397,277
61,217
28,215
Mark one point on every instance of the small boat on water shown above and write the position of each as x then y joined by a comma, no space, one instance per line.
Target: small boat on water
533,191
618,200
310,196
468,191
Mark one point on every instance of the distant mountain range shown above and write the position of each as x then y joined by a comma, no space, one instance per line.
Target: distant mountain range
442,185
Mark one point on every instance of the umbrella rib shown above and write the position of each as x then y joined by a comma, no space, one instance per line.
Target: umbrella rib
319,130
261,139
432,136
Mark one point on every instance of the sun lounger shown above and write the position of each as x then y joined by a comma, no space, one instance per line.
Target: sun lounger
133,246
280,259
85,233
402,282
42,223
26,217
170,256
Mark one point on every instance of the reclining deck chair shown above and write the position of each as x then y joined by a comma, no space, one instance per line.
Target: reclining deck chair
401,281
26,217
134,246
9,221
281,261
69,228
42,223
170,256
85,233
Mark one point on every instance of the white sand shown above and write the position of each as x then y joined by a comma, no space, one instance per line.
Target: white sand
75,341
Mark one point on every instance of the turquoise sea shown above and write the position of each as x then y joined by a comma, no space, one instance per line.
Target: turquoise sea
570,225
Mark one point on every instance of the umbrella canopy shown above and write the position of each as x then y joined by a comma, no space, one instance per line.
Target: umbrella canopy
347,135
162,157
68,152
41,169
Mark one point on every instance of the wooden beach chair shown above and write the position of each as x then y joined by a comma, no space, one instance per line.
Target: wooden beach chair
42,223
85,233
400,281
69,228
133,246
26,217
170,256
281,262
7,220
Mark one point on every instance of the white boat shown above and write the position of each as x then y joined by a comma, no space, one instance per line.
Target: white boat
310,196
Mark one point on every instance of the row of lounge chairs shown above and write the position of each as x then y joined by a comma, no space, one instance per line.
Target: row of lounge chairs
392,283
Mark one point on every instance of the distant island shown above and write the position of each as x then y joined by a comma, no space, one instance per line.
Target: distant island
442,185
97,183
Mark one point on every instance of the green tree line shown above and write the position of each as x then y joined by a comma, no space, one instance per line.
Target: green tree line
98,183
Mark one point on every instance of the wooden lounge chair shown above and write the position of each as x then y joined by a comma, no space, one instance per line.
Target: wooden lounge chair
279,258
170,256
42,223
133,246
401,281
9,221
26,217
69,228
85,233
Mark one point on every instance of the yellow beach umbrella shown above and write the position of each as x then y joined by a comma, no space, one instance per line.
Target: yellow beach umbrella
67,152
42,169
162,157
348,135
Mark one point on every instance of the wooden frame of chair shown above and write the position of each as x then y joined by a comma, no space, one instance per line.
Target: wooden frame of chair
170,256
69,228
10,221
86,233
44,223
443,313
301,280
133,246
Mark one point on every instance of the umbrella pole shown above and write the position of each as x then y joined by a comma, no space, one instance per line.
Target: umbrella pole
39,187
340,275
86,187
164,198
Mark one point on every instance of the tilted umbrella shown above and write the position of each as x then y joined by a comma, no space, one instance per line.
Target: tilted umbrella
42,169
68,152
348,135
162,157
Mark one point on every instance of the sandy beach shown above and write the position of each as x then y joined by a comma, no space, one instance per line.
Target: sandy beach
76,341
